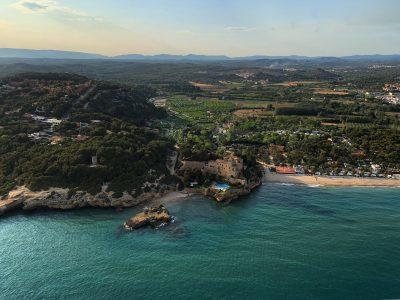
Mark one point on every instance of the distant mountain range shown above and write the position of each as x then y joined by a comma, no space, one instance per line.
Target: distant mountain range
51,54
56,54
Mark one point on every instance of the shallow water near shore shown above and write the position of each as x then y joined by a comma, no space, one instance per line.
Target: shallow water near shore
294,242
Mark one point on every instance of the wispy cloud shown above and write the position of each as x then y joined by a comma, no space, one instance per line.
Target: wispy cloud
239,29
32,6
51,7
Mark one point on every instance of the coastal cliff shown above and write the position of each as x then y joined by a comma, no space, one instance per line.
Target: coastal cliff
227,196
23,198
63,199
231,194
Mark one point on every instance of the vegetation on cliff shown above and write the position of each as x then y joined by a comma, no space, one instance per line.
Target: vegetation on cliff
68,131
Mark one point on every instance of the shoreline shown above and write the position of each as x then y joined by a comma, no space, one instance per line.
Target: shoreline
330,180
40,200
169,197
294,179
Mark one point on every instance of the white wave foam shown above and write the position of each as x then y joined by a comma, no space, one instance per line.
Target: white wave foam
315,185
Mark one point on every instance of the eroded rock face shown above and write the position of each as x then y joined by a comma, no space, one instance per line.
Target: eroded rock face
228,196
231,194
60,199
154,217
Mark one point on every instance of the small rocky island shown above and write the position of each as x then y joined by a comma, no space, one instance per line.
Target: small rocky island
153,216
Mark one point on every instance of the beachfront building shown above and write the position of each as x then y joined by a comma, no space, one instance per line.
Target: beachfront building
299,170
285,170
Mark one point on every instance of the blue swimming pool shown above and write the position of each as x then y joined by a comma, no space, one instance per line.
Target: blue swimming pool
222,186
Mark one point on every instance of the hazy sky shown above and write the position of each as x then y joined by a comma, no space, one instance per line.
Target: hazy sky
232,27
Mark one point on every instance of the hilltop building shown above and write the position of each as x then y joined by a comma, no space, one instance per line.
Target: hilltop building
230,168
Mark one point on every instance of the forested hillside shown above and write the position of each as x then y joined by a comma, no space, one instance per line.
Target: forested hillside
68,131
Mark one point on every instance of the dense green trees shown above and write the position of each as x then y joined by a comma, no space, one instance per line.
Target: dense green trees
300,141
106,116
125,161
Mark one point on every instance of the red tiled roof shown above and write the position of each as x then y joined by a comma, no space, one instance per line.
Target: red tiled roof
285,170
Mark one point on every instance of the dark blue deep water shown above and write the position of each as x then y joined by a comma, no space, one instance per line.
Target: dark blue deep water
281,242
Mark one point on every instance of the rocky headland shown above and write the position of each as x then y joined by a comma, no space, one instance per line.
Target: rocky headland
63,199
231,194
153,217
231,170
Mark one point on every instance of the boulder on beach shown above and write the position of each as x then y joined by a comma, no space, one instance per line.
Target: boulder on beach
153,216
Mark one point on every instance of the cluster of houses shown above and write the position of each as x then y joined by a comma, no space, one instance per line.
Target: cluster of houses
305,132
245,74
51,135
8,87
371,170
48,133
391,98
51,121
391,94
391,87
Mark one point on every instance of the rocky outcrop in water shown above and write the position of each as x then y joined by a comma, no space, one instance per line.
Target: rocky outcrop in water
63,199
154,217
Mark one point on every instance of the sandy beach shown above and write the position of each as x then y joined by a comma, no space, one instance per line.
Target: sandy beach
330,180
171,197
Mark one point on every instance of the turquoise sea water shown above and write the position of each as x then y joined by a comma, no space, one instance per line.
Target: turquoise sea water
281,242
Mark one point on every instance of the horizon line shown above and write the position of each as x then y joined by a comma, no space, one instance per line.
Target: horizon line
197,54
